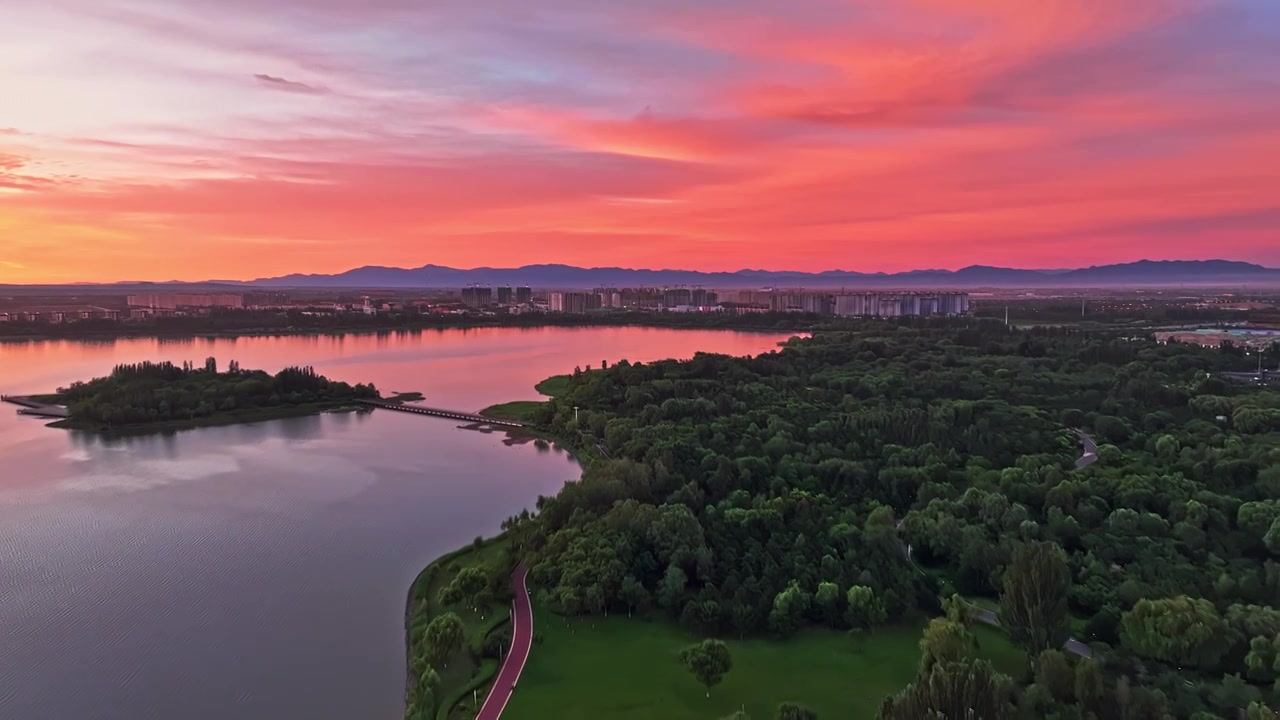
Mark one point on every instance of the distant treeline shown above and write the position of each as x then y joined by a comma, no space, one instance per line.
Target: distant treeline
1058,310
296,321
150,392
267,322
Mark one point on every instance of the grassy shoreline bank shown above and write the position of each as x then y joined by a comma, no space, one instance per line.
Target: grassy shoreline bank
451,697
447,692
527,411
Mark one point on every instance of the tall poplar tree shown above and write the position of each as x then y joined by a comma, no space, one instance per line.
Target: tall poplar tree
1033,606
966,690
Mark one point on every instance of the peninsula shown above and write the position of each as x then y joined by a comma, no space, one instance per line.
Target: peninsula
837,528
151,396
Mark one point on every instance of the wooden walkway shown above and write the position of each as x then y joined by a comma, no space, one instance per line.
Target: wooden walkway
438,412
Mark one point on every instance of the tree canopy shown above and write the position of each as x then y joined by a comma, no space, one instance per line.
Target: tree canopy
148,392
854,478
1033,605
708,661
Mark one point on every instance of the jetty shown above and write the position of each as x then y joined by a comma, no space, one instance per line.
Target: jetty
29,406
440,413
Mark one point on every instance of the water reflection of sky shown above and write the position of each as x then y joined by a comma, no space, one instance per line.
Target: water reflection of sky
185,575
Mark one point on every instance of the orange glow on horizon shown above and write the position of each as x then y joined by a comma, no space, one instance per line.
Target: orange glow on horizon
194,140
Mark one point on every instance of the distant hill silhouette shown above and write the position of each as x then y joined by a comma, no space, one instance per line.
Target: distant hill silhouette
1144,273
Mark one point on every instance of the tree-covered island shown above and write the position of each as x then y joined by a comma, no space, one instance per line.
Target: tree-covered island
153,396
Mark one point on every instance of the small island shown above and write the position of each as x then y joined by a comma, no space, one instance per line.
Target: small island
151,396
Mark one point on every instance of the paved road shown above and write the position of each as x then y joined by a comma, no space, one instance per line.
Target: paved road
1090,448
521,642
905,548
1072,645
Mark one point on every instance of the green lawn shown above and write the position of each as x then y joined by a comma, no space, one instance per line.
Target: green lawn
554,385
585,669
524,410
995,646
519,410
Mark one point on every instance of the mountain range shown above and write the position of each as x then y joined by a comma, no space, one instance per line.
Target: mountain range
1144,273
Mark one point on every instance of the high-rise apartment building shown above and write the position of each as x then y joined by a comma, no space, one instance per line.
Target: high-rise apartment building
505,295
847,304
524,295
900,304
573,302
701,297
609,296
477,296
642,298
173,301
265,299
676,297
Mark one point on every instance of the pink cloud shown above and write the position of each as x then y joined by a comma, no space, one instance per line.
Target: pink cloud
855,134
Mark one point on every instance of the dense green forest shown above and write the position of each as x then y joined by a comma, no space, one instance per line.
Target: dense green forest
759,495
148,393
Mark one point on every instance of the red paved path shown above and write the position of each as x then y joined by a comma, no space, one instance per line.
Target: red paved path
521,641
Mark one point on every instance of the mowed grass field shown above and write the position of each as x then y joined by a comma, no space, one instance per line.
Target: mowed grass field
519,410
554,385
616,667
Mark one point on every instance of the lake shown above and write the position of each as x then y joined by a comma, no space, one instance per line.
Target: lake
259,571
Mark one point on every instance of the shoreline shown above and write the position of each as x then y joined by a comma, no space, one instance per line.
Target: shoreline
171,426
423,579
255,415
549,388
144,333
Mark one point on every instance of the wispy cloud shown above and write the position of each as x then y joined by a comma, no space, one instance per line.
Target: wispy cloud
279,83
724,133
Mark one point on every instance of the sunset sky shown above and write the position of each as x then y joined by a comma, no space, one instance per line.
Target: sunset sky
197,139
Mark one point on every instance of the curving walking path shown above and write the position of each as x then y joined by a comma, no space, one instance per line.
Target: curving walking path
1088,448
518,655
1072,645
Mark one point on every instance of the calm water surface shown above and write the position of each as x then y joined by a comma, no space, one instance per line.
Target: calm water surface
259,571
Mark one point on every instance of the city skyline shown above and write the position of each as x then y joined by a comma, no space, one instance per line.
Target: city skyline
192,140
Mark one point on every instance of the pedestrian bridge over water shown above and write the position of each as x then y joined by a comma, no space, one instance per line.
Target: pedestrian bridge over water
437,412
30,406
